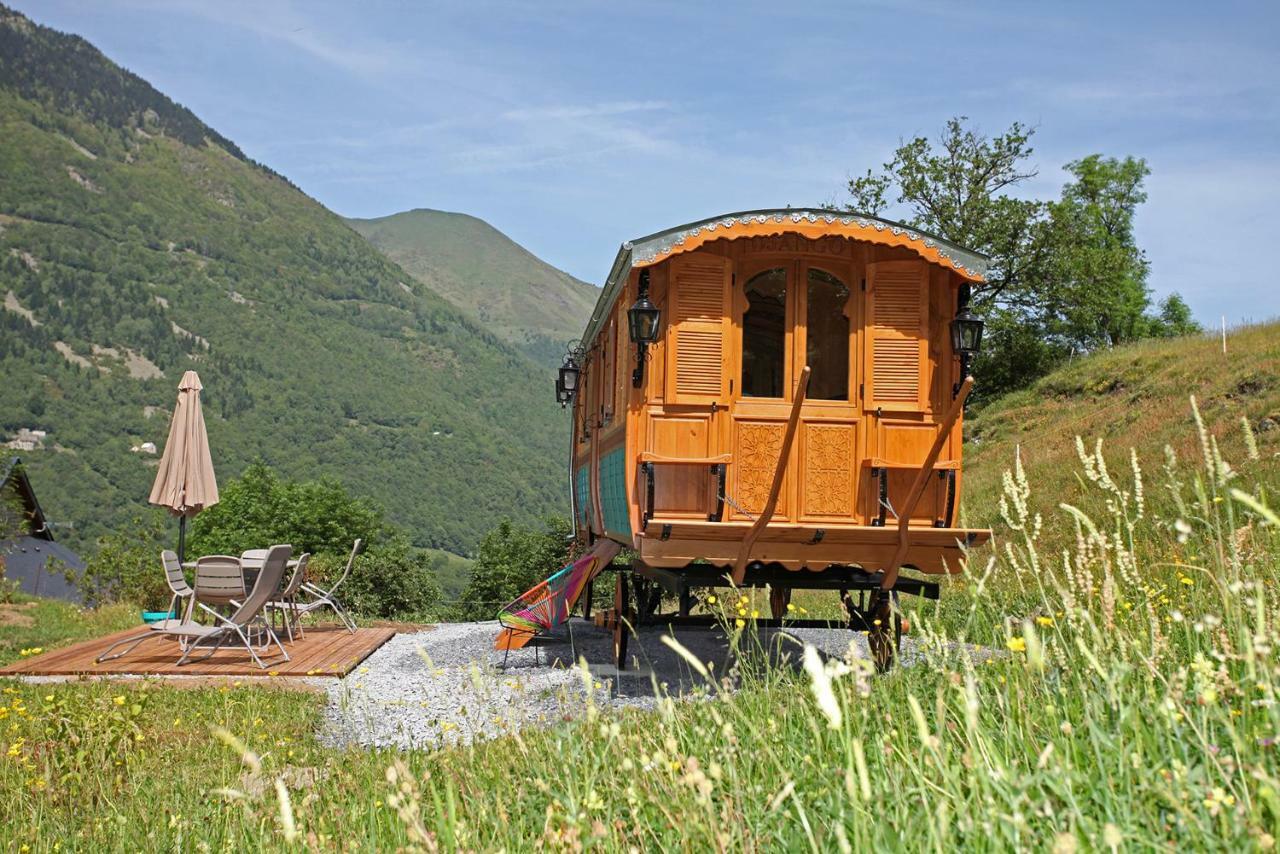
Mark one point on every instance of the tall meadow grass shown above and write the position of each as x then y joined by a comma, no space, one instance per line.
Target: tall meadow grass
1110,689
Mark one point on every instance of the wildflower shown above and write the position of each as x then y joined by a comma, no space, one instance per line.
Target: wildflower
1183,528
1187,581
711,600
790,607
1016,644
1111,836
1217,799
739,622
822,690
118,700
1044,621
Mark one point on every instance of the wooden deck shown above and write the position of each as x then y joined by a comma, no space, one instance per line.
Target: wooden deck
325,651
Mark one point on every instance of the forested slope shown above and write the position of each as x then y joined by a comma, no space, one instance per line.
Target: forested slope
136,243
523,299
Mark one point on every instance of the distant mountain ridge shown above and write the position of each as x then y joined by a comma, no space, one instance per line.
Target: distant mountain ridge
136,242
512,292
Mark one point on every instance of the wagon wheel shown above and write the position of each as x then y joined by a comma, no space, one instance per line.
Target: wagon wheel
623,618
884,638
647,596
779,599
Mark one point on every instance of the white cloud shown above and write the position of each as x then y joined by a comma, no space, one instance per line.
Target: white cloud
560,113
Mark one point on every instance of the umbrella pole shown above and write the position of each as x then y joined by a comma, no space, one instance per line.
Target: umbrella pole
182,538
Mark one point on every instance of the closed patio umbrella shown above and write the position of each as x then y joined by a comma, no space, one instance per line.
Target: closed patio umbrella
185,482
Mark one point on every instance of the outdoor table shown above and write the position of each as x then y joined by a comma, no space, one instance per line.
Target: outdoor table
252,560
251,563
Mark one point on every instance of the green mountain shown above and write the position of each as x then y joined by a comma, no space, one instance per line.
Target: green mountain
473,265
137,243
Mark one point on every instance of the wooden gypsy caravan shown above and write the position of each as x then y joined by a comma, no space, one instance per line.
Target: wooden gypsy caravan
776,396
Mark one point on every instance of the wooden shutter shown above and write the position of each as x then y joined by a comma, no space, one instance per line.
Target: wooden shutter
897,336
697,333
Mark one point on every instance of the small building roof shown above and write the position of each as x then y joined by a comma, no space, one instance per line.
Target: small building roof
24,557
15,476
807,222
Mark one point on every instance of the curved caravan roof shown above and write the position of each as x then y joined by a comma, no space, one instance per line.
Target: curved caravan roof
807,222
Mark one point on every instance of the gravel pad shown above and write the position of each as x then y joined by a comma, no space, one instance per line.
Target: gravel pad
449,685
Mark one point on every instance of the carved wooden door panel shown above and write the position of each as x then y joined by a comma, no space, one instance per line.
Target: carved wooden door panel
827,467
761,377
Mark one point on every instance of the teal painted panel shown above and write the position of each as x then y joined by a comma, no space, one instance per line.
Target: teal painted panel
582,496
613,492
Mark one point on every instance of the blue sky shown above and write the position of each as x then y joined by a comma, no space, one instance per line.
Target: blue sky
573,126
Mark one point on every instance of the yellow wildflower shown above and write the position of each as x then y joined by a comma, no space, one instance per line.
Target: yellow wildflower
739,622
1044,621
119,700
1016,644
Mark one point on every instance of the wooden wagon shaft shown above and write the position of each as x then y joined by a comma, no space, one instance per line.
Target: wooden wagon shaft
740,568
917,487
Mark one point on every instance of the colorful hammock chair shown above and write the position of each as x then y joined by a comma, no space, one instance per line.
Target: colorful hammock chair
548,603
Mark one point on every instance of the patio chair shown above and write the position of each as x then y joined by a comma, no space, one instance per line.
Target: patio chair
219,580
322,598
287,604
240,626
177,580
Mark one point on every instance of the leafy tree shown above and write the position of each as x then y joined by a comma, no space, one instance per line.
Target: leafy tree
390,580
126,566
957,192
1174,319
1066,276
258,509
1098,274
394,582
511,559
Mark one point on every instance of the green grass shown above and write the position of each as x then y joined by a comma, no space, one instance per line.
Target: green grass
1133,706
33,624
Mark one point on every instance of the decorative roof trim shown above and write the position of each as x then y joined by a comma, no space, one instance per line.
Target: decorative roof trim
811,223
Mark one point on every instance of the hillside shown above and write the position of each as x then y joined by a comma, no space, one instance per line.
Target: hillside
521,298
1136,396
136,242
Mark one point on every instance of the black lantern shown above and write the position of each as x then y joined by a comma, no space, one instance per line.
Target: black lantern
644,321
966,333
567,380
966,336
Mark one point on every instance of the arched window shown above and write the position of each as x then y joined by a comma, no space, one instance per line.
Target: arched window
764,334
827,328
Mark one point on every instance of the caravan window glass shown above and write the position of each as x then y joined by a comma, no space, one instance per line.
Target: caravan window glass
827,331
764,334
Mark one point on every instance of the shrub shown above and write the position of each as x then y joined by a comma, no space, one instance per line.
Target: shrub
258,509
394,581
126,566
512,558
391,580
